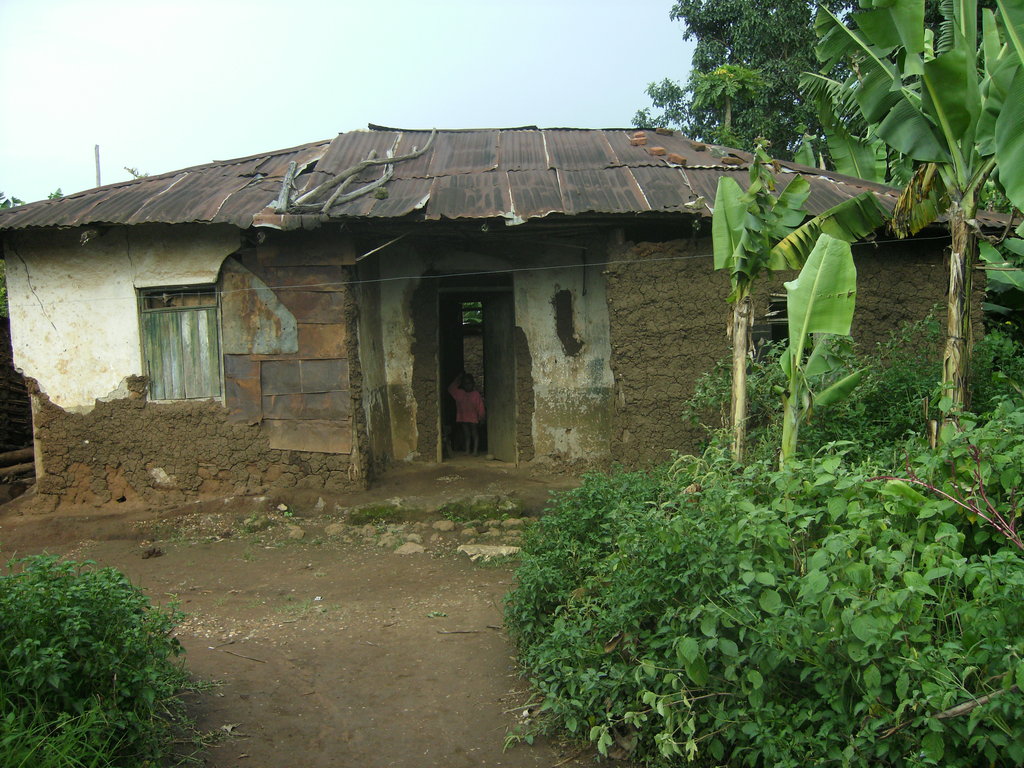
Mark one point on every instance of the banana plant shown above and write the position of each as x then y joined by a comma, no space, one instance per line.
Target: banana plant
953,103
820,301
853,148
755,231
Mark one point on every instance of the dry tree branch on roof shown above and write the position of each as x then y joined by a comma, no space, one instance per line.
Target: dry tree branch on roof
343,179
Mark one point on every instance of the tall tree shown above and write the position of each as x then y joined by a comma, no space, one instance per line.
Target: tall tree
774,40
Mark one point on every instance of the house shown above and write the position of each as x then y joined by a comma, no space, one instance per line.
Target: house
293,319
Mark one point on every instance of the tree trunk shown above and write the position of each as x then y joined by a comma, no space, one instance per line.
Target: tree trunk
741,313
956,360
790,425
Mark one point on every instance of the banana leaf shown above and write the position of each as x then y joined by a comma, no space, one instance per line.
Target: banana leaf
850,220
822,297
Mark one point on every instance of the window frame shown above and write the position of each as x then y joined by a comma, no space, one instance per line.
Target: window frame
180,378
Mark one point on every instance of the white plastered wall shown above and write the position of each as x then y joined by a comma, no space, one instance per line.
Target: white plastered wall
73,308
397,336
572,394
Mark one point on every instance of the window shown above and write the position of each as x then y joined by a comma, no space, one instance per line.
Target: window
774,326
181,342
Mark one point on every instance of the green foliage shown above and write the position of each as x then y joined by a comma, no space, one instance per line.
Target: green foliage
776,41
566,546
897,388
719,89
754,230
84,656
30,739
818,615
820,301
1004,270
998,370
670,98
7,201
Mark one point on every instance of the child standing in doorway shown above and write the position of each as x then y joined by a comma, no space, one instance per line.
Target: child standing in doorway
469,410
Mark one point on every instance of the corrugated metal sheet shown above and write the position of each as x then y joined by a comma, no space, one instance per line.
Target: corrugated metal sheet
579,150
609,190
485,192
522,151
535,194
516,173
665,191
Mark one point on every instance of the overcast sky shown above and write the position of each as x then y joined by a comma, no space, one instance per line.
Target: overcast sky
165,85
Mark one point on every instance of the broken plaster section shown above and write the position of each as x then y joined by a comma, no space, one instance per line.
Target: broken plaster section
397,334
573,382
72,297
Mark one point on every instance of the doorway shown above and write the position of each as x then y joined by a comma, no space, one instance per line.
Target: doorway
476,330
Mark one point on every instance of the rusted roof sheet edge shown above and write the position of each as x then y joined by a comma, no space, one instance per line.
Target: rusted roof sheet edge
560,171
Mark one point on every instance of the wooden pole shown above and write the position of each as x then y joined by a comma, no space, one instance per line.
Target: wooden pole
16,457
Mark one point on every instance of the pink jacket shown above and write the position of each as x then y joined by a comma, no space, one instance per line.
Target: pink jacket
469,406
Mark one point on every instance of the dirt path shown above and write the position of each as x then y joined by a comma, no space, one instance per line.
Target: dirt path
330,649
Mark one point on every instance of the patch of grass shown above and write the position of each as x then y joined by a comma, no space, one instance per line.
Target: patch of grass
377,514
297,609
30,739
469,510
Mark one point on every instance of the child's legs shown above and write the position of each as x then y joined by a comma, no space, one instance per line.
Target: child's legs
474,435
465,433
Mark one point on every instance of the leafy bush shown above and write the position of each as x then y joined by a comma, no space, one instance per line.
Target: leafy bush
567,546
821,615
998,363
83,653
901,377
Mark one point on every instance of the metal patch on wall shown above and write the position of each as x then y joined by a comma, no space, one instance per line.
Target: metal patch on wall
254,320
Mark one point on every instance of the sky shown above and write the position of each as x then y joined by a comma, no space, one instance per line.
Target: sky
166,85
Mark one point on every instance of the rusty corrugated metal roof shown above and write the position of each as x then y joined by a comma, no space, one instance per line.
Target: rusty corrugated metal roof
517,174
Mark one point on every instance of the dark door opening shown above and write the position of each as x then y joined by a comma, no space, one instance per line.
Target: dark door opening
476,330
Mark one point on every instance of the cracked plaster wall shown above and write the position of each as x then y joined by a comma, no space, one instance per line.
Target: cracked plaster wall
564,402
74,319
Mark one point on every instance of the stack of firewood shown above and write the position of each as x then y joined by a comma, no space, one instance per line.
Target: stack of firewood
17,465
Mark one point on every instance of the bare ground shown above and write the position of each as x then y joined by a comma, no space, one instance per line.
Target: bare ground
329,649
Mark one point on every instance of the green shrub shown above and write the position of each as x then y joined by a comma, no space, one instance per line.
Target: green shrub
901,381
821,615
82,647
569,544
998,363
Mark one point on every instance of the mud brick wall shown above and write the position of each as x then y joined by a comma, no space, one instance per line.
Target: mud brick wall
900,283
669,317
424,367
668,314
131,450
287,419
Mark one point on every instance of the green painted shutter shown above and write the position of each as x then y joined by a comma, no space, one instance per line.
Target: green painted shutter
182,353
